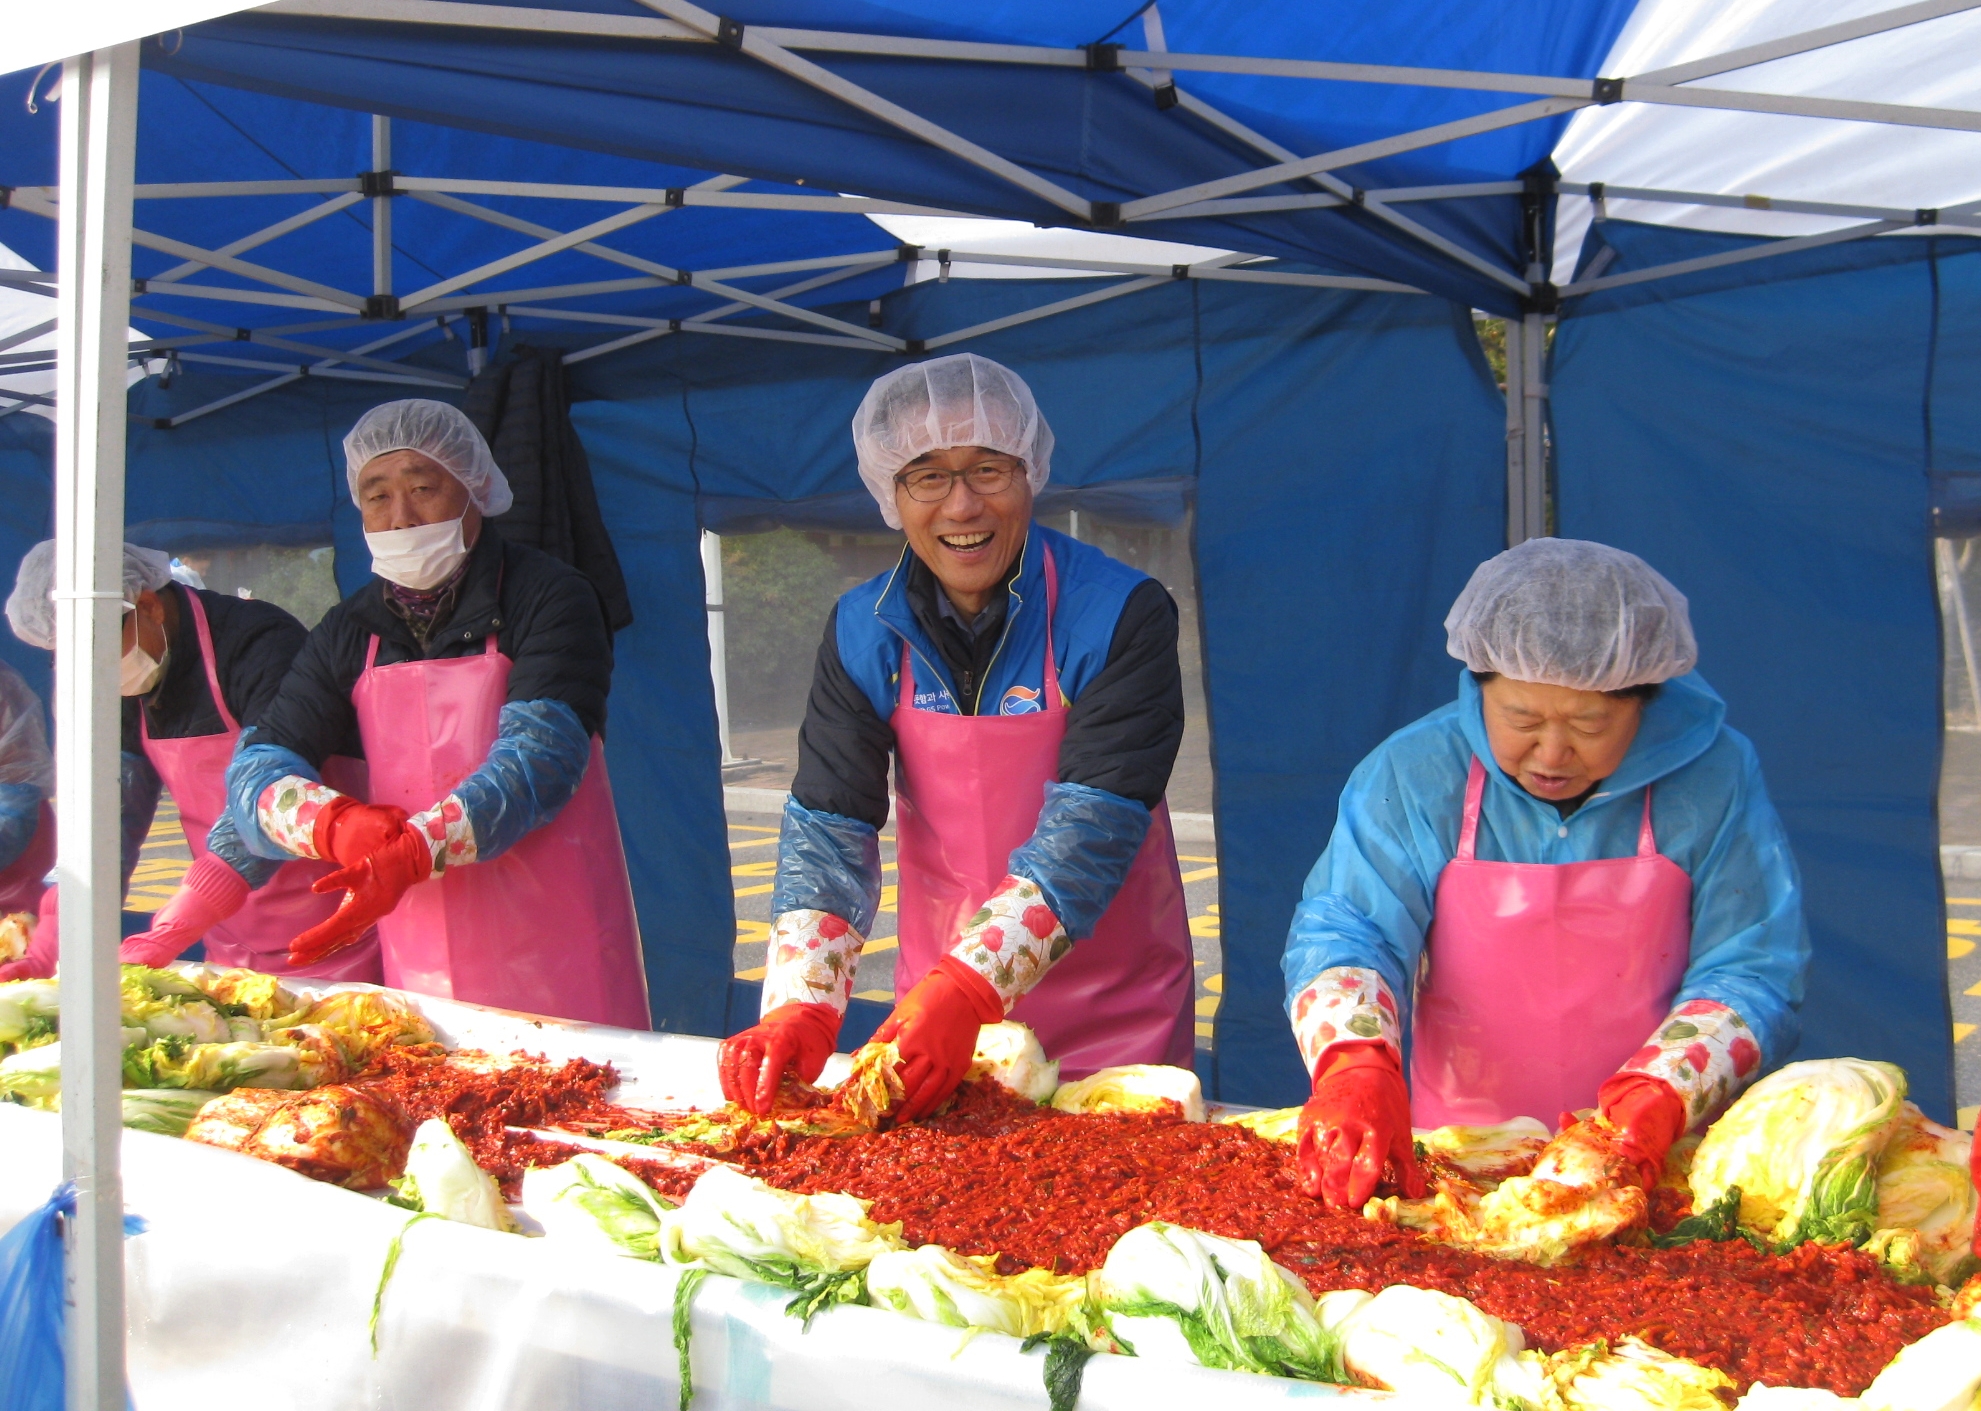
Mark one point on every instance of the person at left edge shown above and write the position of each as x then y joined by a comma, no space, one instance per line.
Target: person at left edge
1027,687
196,667
471,674
27,823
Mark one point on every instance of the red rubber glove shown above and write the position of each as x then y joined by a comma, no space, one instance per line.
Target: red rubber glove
1649,1115
211,892
1357,1119
935,1025
372,888
347,832
793,1038
44,947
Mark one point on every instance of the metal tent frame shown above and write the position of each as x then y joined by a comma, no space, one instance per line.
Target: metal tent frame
97,233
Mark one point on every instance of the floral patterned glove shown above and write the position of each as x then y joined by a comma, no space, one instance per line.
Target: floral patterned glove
812,959
1013,940
1345,1005
1705,1053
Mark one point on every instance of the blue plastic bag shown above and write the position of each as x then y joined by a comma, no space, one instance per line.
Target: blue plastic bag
31,1306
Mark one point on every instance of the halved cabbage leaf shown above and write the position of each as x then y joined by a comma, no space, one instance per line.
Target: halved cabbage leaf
592,1203
442,1179
1134,1087
1940,1372
938,1285
1634,1376
1803,1146
166,1111
1926,1201
1010,1055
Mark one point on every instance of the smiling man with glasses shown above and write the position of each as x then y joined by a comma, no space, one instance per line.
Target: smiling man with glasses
1026,687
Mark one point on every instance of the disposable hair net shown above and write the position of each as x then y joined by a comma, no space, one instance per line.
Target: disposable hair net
960,400
31,609
437,431
1568,612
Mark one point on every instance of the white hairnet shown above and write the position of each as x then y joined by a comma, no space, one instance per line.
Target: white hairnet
437,431
31,606
1567,612
24,757
960,400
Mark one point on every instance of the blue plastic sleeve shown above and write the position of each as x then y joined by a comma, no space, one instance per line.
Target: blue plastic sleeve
827,862
139,785
253,768
223,840
20,815
535,765
1081,851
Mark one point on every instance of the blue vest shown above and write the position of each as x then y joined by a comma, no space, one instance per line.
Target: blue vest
875,620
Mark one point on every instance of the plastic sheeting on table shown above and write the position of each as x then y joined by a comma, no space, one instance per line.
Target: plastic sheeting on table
252,1284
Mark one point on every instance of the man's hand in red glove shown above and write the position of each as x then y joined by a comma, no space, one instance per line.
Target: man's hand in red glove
1649,1118
1357,1119
44,947
347,832
211,892
373,886
792,1038
1648,1115
935,1026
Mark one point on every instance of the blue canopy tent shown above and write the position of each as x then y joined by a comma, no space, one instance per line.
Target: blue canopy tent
1319,390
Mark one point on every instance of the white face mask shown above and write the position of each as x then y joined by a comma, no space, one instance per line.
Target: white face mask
139,671
419,558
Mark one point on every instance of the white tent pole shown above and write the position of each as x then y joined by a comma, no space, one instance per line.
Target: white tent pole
1950,585
718,638
270,232
99,138
1516,436
381,208
1534,418
619,220
1732,257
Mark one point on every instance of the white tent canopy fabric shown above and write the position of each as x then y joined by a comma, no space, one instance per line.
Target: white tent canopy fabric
48,34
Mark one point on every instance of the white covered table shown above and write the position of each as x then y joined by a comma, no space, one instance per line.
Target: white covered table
253,1287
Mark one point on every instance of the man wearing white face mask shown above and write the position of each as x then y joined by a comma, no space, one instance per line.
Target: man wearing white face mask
472,675
196,667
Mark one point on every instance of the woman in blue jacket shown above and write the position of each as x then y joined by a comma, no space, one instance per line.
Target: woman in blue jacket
1567,887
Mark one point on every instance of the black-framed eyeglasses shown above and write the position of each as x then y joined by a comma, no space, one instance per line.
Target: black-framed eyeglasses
932,486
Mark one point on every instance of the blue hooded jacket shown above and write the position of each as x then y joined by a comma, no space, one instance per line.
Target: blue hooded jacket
1368,902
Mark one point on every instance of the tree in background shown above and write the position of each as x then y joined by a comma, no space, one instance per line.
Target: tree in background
777,589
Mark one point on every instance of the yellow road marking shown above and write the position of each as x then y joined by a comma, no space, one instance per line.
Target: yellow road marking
1207,1006
1961,1031
766,868
1958,946
751,931
756,891
1198,874
889,898
1958,927
884,943
1973,990
877,996
1188,857
750,842
1967,1116
756,974
1206,1031
1214,983
749,828
887,867
1964,901
1205,928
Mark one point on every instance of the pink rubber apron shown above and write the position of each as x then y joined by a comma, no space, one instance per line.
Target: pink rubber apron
970,787
1543,978
546,928
258,935
22,884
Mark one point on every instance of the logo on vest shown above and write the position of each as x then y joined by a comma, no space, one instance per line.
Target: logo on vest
1020,700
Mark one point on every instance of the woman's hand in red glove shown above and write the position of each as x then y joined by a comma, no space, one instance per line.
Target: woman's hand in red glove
935,1026
1649,1116
347,832
211,892
1357,1119
44,946
793,1038
373,887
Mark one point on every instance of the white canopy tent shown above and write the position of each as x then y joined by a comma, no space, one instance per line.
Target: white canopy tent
1862,122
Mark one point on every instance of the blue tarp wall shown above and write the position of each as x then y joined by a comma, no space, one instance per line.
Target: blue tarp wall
1766,445
1772,447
